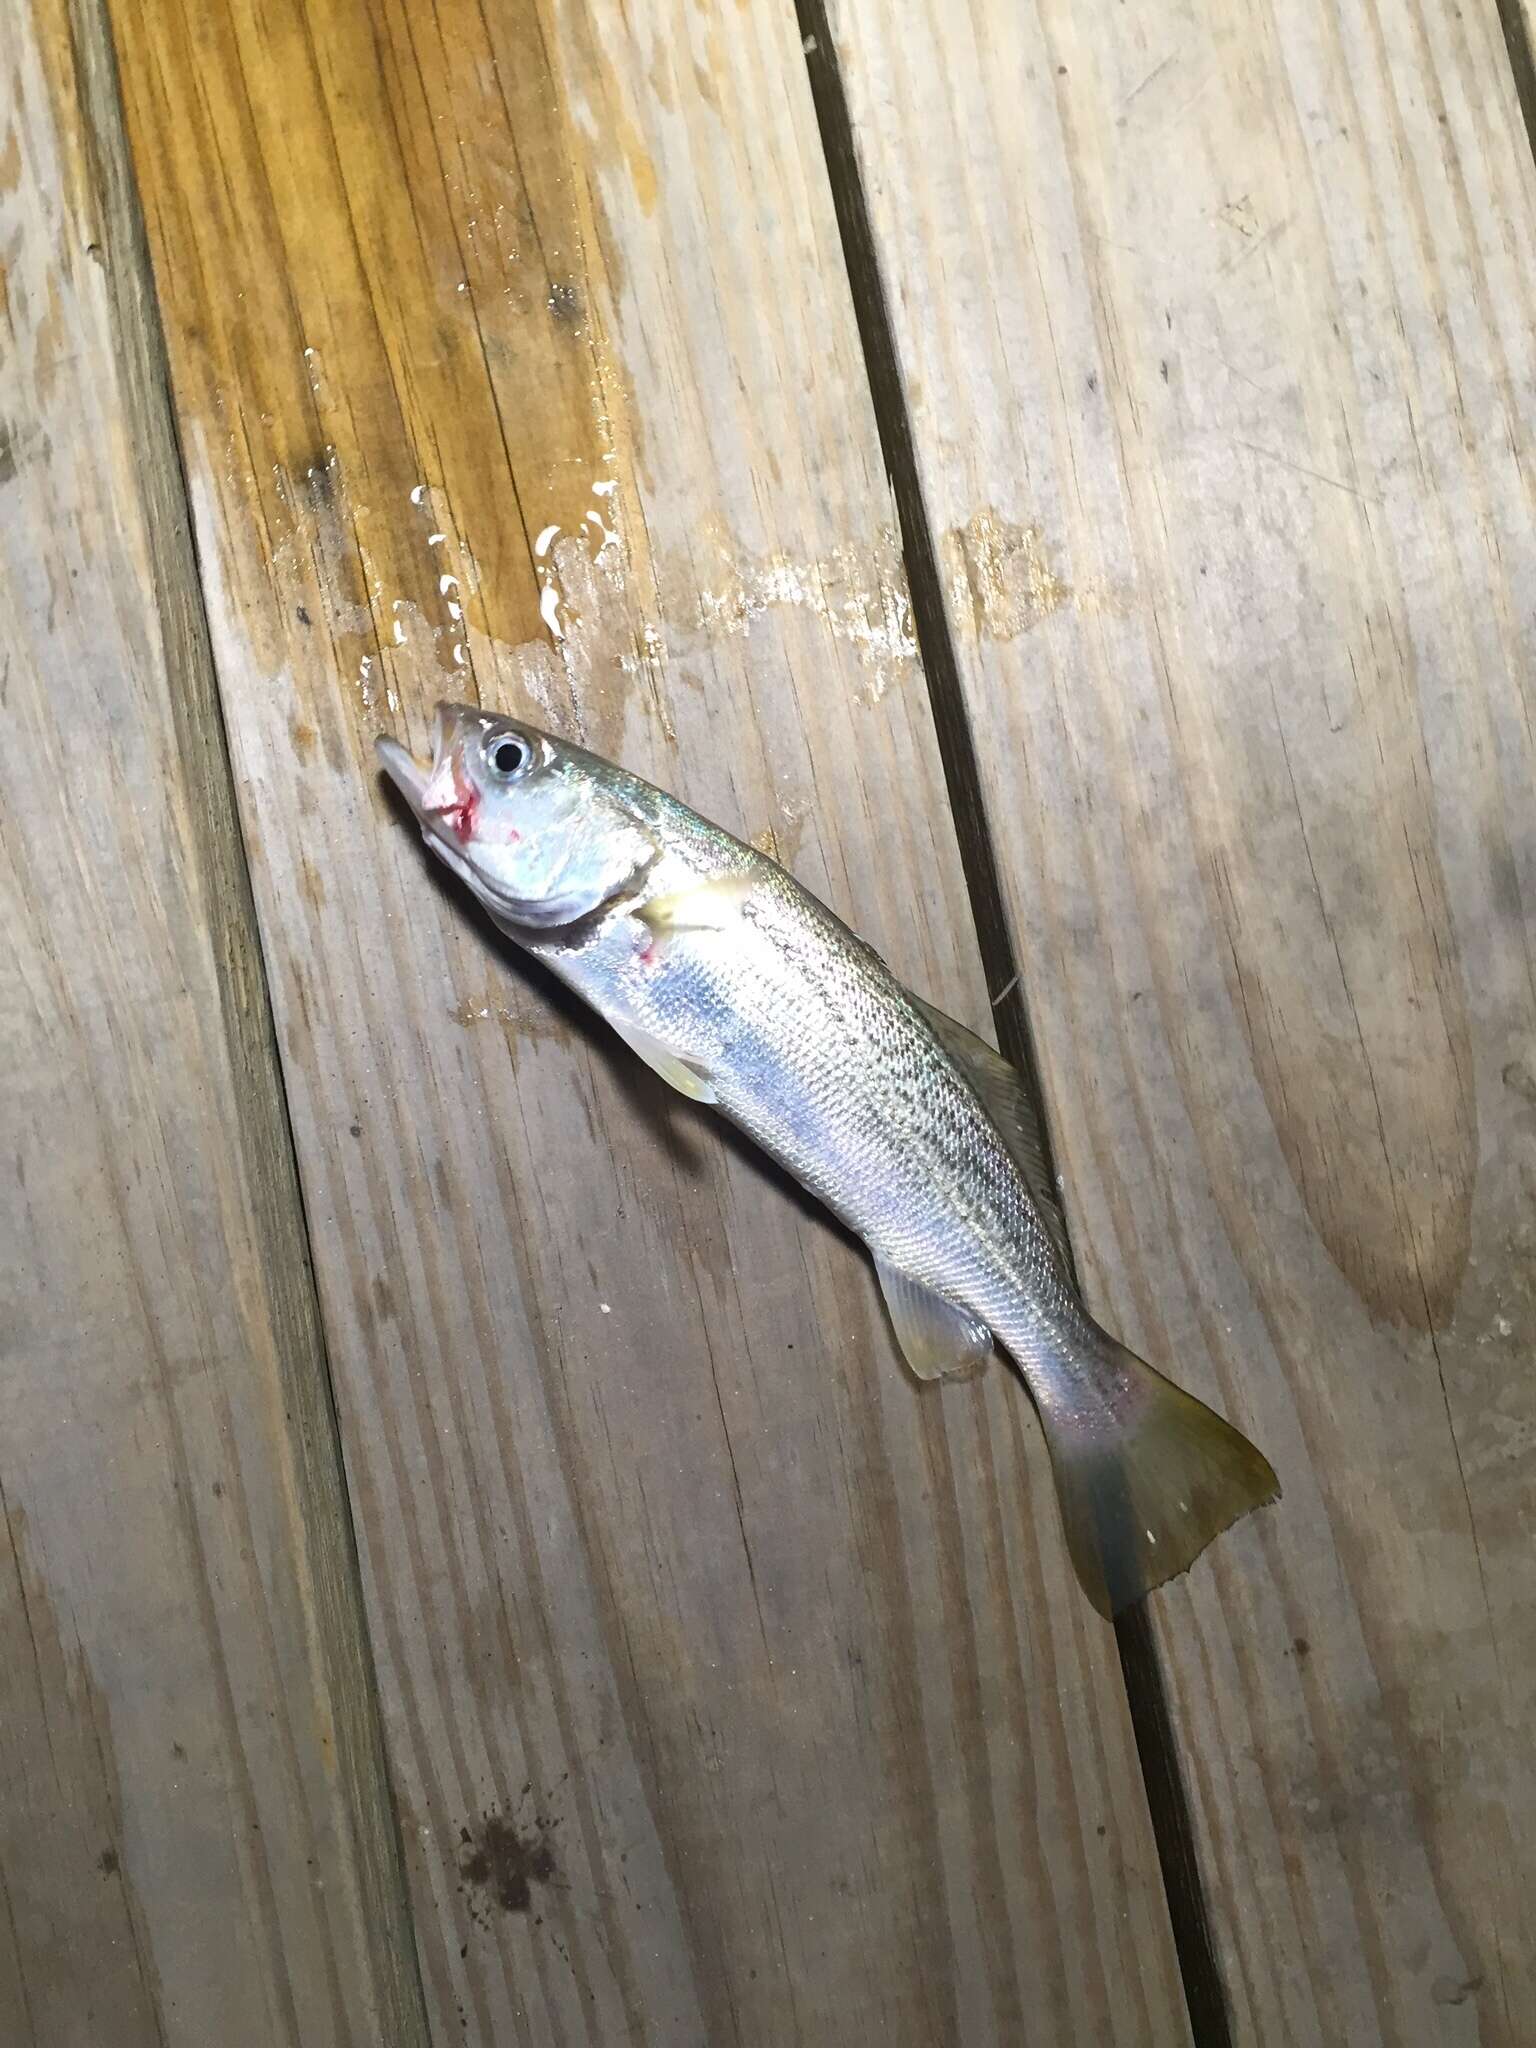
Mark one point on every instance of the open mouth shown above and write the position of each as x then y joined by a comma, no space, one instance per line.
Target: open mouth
443,801
445,816
408,778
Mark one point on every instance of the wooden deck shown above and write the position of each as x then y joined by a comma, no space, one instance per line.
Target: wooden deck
472,1566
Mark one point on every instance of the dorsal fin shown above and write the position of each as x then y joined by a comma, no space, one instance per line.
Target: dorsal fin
1007,1101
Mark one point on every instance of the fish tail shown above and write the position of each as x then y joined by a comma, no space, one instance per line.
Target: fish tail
1146,1475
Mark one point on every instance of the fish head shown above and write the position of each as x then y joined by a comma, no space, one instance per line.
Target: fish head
530,822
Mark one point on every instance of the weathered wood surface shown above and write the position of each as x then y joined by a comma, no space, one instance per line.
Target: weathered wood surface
735,1689
193,1846
1217,327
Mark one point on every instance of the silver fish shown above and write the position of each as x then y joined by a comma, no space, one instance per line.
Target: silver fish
742,990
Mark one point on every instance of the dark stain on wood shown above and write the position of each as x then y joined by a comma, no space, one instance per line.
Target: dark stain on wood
500,1863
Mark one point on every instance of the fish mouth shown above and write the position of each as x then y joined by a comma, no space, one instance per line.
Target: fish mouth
431,793
442,805
410,779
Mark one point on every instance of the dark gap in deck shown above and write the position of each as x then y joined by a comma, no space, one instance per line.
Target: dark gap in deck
1516,24
1152,1721
279,1215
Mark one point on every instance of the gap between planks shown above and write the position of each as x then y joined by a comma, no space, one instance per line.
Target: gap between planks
1157,1741
282,1223
1515,20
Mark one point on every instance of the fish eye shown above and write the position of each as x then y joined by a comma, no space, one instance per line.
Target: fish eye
507,755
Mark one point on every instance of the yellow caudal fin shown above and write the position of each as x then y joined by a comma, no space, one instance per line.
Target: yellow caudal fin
1146,1475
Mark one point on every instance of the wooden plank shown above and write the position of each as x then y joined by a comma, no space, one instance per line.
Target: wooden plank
1217,329
735,1689
195,1839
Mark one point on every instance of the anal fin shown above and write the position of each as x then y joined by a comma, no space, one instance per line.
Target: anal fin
938,1339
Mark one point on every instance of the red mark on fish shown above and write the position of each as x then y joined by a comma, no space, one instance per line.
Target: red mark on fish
453,798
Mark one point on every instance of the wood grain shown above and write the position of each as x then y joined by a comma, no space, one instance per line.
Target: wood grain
1226,318
735,1689
195,1841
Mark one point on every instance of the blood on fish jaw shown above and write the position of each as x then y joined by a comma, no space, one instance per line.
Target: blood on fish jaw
463,819
458,816
459,813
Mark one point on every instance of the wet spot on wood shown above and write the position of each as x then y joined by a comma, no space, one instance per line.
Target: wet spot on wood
472,1010
565,303
106,1863
856,590
522,1015
1504,891
317,478
500,1863
1000,575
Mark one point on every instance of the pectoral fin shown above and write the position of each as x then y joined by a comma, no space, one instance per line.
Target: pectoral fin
937,1338
1008,1102
688,1079
707,907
